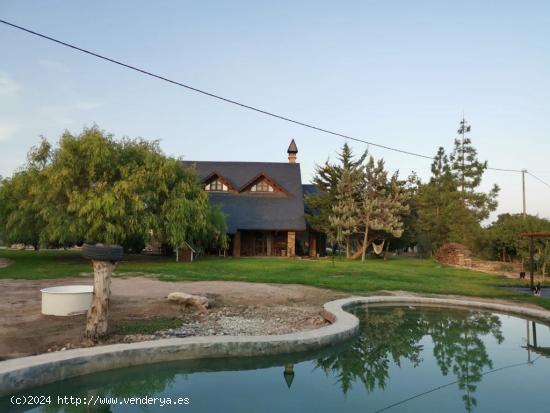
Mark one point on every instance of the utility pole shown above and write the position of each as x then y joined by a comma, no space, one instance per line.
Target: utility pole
523,171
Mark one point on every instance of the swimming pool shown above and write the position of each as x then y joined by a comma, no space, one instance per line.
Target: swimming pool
405,359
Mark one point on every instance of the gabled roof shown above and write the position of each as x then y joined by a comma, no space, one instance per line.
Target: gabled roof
278,211
217,175
263,176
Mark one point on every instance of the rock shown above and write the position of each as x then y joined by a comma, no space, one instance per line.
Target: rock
199,302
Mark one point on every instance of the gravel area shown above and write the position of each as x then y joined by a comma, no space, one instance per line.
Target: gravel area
236,321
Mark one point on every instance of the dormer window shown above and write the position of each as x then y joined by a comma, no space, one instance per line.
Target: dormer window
216,185
261,186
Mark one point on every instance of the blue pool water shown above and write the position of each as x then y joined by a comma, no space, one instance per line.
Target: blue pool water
405,359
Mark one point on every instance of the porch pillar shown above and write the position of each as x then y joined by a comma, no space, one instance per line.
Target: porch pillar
312,245
291,244
237,244
269,242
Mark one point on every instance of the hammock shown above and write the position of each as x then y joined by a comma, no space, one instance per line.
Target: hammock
378,248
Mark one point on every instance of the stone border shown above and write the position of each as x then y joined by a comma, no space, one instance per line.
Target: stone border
27,372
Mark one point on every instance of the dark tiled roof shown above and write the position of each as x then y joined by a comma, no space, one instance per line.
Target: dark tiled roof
248,211
310,189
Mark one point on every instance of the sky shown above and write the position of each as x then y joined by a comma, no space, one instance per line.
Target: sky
397,73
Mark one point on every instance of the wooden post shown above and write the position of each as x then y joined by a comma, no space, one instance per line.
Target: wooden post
290,244
98,314
237,244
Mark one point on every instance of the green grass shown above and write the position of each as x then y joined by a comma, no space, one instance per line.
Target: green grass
146,326
408,274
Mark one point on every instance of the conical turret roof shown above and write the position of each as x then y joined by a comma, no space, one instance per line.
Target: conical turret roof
292,148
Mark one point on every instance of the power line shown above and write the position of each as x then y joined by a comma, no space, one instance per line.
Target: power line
234,102
504,170
227,100
451,383
540,180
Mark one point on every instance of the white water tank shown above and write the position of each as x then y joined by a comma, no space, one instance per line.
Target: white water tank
67,299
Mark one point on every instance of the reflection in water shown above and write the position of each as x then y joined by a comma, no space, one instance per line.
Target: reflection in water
532,345
395,335
121,385
453,350
288,374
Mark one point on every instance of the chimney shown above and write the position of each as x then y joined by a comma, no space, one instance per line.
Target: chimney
292,151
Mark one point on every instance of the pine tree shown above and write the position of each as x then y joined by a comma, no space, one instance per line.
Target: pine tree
345,214
468,172
383,203
442,216
329,210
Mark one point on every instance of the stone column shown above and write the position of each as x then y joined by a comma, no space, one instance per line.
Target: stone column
237,244
312,245
291,244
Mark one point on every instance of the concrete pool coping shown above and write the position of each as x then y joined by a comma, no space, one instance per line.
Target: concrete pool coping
28,372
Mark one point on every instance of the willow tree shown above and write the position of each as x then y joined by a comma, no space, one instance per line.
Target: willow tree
94,188
20,220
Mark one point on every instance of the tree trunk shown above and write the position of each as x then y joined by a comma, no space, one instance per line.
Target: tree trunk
365,238
347,247
177,254
98,314
365,244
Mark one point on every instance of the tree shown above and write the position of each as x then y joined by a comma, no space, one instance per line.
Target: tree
345,214
189,204
97,189
333,206
442,216
468,172
92,187
503,240
19,205
383,202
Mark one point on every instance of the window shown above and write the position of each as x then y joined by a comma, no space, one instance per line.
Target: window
216,185
262,186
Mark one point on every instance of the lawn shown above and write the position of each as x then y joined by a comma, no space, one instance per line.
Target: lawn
408,274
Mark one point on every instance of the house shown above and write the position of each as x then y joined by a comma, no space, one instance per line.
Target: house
264,206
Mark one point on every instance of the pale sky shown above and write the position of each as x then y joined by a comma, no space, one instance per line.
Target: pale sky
399,73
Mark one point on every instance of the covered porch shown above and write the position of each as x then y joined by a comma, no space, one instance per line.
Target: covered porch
276,244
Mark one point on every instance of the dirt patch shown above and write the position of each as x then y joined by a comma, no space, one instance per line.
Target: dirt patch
4,262
238,308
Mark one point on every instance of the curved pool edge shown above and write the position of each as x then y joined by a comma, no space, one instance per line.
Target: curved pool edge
28,372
